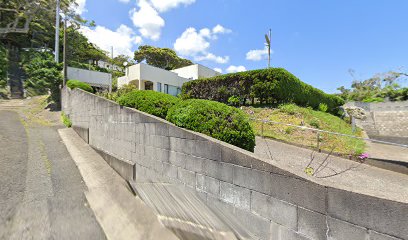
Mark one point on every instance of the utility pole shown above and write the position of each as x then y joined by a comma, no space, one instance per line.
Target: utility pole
57,28
65,52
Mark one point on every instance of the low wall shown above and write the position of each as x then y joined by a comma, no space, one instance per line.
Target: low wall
273,203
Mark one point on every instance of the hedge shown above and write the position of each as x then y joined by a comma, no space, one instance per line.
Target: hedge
215,119
273,85
148,101
72,84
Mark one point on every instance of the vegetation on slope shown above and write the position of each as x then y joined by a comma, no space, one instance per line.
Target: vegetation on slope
292,114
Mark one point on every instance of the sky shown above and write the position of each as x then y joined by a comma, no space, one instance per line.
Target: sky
319,41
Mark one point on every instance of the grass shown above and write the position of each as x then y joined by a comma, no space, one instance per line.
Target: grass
65,120
292,114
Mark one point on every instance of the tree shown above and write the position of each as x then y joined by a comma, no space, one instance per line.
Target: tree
3,66
44,75
164,58
376,88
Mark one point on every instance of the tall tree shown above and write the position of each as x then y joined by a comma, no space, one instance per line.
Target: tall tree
165,58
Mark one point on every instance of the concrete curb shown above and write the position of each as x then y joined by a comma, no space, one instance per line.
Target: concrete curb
120,214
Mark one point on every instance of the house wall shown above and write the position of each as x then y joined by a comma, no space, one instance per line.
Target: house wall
196,71
156,75
94,78
271,202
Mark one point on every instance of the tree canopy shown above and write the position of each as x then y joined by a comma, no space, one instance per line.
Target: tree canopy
377,88
164,58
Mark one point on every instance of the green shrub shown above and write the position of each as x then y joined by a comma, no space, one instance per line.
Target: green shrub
314,123
291,108
373,99
65,120
72,84
148,101
215,119
270,86
233,101
323,107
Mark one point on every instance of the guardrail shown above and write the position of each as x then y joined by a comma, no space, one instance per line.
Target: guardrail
318,131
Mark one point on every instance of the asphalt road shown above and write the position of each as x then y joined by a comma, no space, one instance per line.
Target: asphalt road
41,190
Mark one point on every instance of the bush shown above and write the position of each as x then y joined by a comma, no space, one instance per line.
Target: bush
233,101
148,101
323,107
215,119
373,99
72,84
65,120
271,86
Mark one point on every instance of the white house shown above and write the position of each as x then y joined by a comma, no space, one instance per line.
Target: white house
93,78
152,78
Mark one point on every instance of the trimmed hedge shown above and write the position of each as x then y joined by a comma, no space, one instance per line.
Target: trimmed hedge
271,86
215,119
72,84
148,101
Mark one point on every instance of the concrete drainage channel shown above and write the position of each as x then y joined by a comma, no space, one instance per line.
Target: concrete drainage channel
121,209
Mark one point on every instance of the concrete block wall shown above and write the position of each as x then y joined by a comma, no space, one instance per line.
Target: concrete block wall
270,202
384,119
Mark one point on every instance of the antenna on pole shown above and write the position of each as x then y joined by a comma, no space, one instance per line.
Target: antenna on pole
268,45
57,28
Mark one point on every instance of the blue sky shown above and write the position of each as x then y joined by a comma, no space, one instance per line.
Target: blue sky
317,40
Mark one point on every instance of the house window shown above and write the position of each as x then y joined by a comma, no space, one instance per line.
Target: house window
159,87
166,88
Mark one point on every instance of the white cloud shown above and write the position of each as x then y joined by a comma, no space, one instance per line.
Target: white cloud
124,1
148,20
193,43
221,30
165,5
234,69
257,55
218,70
80,7
122,40
212,57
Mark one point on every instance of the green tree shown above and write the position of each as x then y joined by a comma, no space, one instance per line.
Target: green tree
44,75
164,58
3,66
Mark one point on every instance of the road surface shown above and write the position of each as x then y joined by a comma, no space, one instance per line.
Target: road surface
41,190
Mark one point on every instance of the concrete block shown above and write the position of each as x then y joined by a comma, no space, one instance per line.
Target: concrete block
195,164
178,159
207,149
261,165
170,170
312,224
162,129
162,142
238,196
379,236
181,145
234,156
255,224
161,155
208,184
177,132
187,177
378,214
341,230
252,179
275,210
219,170
299,192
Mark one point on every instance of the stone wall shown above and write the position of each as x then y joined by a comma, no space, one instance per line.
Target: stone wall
271,202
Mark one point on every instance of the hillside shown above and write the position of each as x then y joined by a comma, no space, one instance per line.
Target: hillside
292,114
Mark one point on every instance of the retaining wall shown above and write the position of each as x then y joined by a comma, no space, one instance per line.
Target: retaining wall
384,119
273,203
